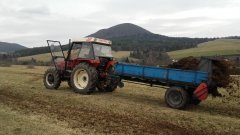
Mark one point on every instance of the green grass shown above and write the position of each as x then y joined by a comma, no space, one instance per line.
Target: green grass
212,48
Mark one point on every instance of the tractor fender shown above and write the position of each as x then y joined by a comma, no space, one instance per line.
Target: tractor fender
201,92
111,64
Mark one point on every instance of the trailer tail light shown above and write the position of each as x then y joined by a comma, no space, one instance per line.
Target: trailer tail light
201,92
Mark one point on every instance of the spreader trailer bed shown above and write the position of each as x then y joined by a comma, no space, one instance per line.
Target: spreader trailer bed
184,86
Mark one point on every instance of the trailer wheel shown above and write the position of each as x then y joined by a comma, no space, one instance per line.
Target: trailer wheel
51,79
84,78
176,97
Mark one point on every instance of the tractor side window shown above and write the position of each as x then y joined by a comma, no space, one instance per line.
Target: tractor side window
86,51
75,50
102,50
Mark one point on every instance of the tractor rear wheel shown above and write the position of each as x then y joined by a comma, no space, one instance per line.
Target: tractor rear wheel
108,88
111,88
176,97
84,78
110,84
51,79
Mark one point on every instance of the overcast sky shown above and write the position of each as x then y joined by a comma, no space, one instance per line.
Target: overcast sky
31,22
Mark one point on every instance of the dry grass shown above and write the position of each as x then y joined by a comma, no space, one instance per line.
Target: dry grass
135,109
16,122
30,66
121,54
3,64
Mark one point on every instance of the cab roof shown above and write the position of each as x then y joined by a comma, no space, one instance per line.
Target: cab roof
93,40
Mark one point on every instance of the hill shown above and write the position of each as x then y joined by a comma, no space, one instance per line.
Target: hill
121,30
130,37
211,48
10,47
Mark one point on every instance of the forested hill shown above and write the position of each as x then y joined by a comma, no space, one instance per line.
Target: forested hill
10,47
129,37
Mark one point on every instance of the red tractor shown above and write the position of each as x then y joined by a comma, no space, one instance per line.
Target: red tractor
89,65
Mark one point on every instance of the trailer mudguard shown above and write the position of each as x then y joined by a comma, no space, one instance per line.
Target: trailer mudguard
201,92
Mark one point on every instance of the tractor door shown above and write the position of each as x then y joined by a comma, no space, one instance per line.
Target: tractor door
57,54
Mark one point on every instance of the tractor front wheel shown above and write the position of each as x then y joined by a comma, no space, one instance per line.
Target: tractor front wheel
84,78
176,97
51,79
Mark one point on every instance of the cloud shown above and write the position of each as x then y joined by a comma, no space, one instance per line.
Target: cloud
31,22
35,11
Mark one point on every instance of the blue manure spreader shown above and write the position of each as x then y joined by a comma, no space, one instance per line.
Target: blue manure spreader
183,86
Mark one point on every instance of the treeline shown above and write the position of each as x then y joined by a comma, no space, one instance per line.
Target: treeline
36,50
154,41
9,59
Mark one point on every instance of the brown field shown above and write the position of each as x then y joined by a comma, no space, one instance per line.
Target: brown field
26,107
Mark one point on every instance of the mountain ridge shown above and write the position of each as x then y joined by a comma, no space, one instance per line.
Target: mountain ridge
124,29
10,47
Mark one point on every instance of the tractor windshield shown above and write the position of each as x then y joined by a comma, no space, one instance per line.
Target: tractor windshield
102,50
90,51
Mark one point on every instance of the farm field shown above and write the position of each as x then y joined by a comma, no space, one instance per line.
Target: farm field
212,48
26,107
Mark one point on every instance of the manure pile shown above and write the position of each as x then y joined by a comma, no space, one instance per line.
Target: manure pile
220,76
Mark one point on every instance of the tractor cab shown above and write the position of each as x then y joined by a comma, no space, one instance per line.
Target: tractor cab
94,51
91,48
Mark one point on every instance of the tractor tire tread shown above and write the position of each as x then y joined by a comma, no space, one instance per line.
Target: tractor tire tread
57,79
93,78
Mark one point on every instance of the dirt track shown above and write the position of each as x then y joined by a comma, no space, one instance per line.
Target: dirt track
134,110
